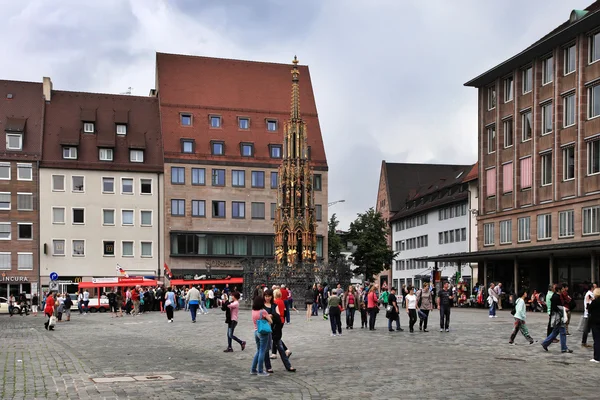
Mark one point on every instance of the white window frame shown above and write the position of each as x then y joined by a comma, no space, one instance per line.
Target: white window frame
9,267
132,186
73,184
491,131
545,107
566,58
113,184
73,217
506,231
89,127
6,165
547,76
134,156
19,261
64,216
25,194
9,230
13,135
104,223
132,217
54,189
9,203
524,230
591,99
492,97
523,122
142,219
151,186
26,167
565,161
508,123
592,155
592,39
105,154
590,220
546,158
24,223
488,234
216,117
142,249
64,253
566,224
114,244
566,122
527,80
123,249
121,129
509,88
72,153
544,227
73,248
274,122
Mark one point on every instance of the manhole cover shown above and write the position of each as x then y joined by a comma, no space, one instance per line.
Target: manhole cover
154,378
114,379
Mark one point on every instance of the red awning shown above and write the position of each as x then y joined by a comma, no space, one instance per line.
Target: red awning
119,282
186,282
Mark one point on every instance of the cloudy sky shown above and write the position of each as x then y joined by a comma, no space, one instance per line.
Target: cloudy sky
387,74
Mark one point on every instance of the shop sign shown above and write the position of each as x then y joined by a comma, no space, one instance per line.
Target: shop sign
105,280
9,278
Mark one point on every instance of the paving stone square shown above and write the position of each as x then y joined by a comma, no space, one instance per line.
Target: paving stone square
473,361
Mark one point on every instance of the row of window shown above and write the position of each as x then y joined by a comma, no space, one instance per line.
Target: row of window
194,244
127,248
546,168
24,231
217,147
216,121
108,184
104,154
569,66
458,210
24,261
412,243
108,217
238,209
24,172
24,201
453,235
402,265
566,226
411,222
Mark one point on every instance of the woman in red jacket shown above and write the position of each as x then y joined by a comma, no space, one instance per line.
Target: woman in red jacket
49,310
372,306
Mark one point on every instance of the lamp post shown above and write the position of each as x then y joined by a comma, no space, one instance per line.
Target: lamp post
335,202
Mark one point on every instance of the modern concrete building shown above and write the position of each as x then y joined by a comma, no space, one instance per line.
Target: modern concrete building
435,219
21,123
539,161
100,186
222,123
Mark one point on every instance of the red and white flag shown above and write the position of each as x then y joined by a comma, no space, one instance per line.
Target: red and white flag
168,273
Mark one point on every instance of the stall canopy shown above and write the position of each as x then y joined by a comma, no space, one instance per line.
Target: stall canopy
188,282
108,282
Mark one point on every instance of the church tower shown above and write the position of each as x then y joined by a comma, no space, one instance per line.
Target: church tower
295,226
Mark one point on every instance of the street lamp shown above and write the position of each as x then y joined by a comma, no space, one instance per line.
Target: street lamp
335,202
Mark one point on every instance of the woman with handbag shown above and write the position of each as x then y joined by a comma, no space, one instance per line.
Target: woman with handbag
278,316
49,311
334,303
262,330
170,303
350,304
372,306
425,304
411,308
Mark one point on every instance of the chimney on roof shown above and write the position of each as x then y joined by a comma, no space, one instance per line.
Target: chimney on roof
47,88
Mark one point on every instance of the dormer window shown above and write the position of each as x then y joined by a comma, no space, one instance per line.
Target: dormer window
88,127
215,121
217,148
14,141
275,151
70,153
187,146
186,119
121,129
244,123
272,125
247,149
136,156
105,155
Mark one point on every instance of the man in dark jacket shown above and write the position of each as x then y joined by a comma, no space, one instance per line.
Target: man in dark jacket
558,322
394,313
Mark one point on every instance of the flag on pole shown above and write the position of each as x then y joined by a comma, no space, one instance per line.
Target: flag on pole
168,273
122,271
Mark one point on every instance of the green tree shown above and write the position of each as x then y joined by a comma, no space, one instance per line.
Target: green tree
368,234
334,242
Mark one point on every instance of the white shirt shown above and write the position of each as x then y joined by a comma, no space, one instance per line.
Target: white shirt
211,294
589,296
411,301
86,296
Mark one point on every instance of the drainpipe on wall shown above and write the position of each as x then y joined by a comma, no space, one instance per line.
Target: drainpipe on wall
158,253
39,228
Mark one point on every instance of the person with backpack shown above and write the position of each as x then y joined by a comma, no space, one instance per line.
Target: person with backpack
232,307
67,304
519,313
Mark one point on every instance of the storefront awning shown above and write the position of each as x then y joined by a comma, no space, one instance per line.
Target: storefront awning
187,282
546,250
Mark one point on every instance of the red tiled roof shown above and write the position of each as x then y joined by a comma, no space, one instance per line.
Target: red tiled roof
204,86
473,173
26,103
64,118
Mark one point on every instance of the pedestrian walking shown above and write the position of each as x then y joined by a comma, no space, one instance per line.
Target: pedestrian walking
202,303
519,314
67,304
334,304
587,299
372,306
492,301
86,301
444,302
393,311
169,304
350,303
309,301
49,311
558,323
261,337
594,321
233,306
34,304
425,304
411,308
192,299
362,308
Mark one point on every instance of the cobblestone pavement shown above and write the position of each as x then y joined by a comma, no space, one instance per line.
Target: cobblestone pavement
473,361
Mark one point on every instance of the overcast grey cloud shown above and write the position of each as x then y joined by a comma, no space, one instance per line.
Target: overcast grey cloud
387,74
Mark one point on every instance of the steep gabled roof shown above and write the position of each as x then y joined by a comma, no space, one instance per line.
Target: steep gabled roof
473,173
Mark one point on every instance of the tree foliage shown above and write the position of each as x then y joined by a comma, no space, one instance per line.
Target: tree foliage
368,234
334,242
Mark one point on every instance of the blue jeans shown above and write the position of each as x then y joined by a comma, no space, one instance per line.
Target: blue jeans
230,335
558,329
284,357
397,319
193,310
202,307
315,309
493,308
287,311
350,316
262,343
